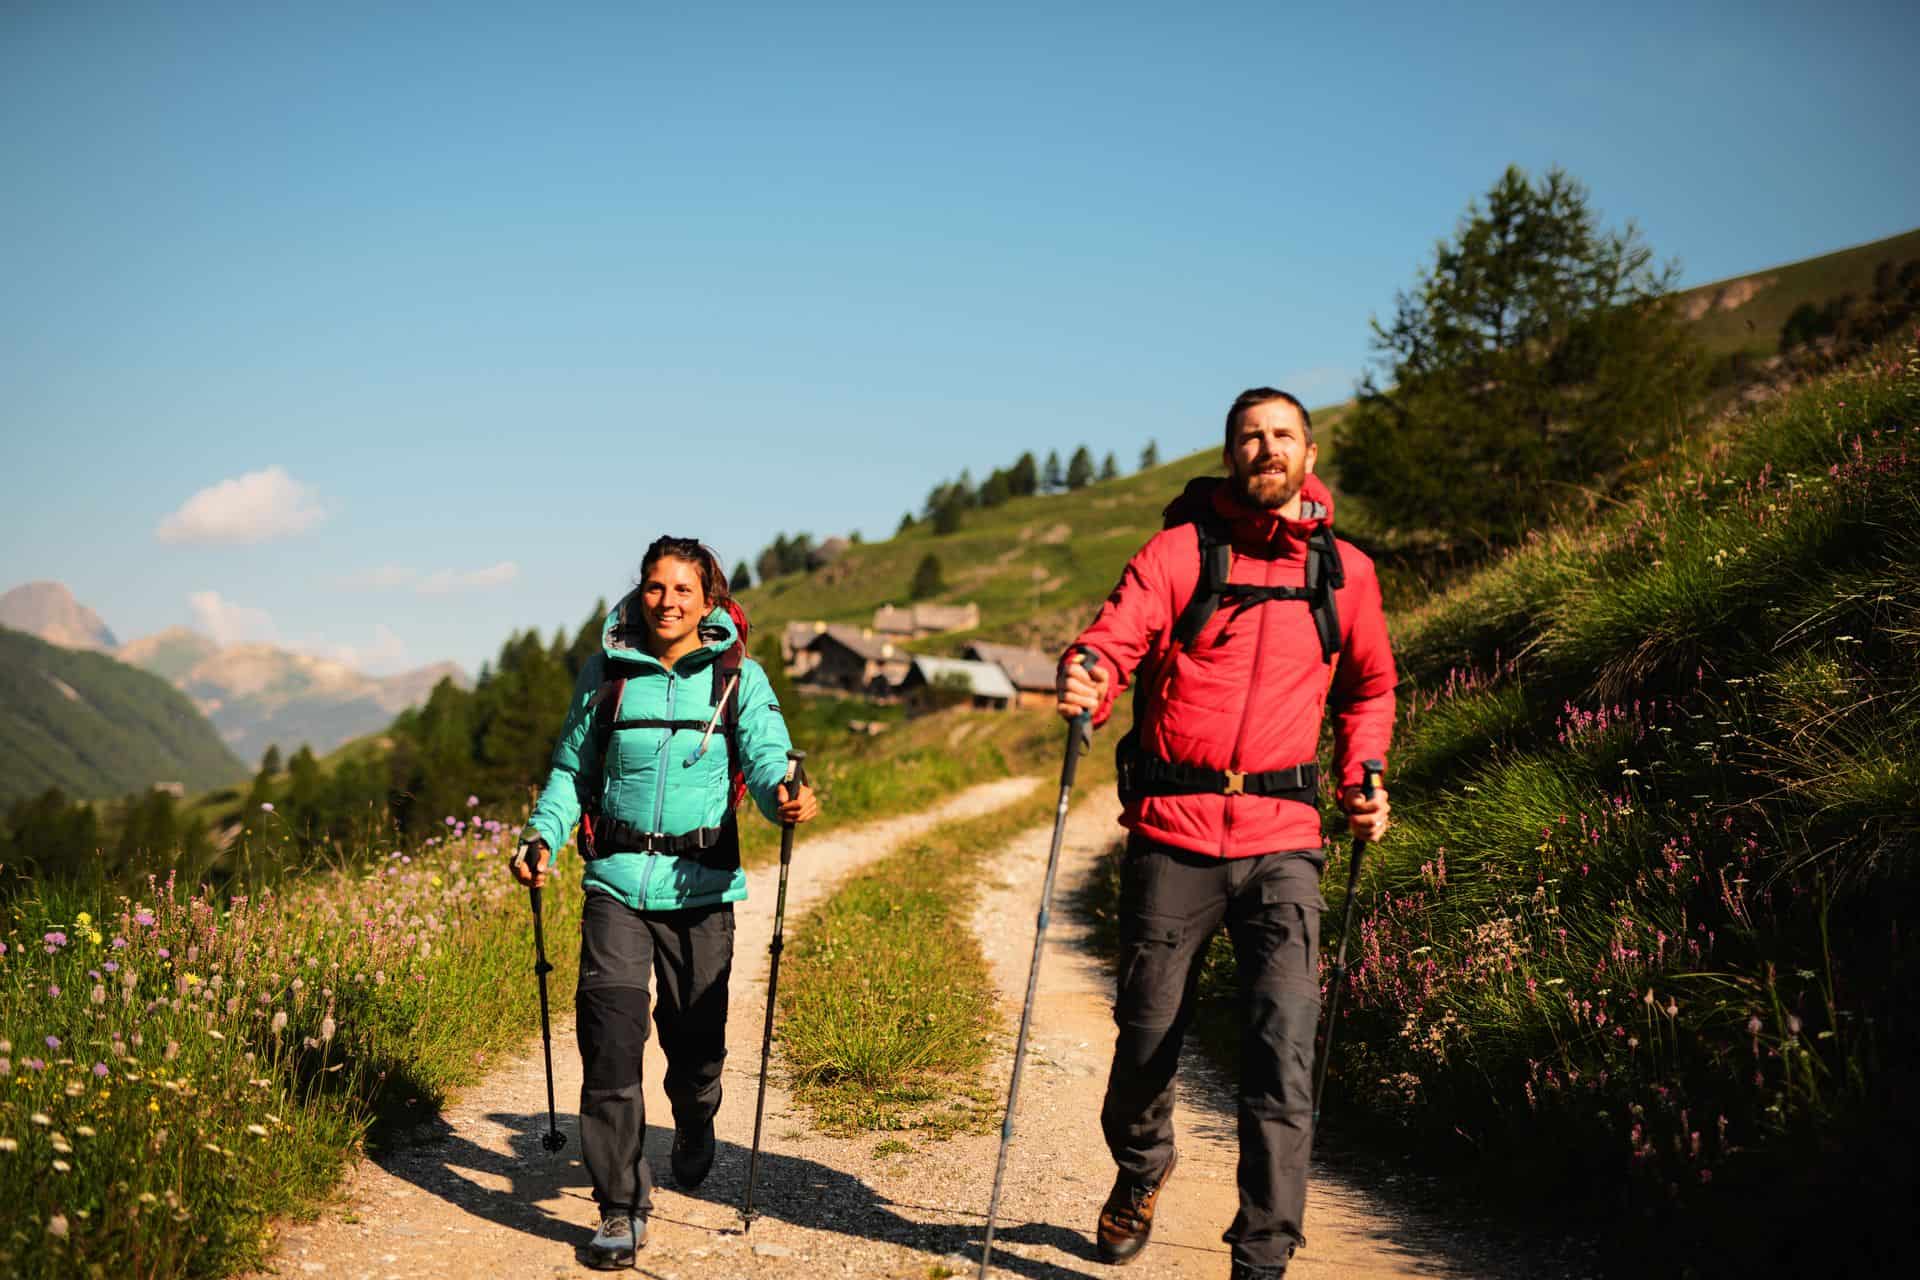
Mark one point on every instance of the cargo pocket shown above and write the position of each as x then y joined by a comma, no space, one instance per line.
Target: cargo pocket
1153,971
1286,935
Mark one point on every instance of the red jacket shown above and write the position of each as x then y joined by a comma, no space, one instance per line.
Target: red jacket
1253,700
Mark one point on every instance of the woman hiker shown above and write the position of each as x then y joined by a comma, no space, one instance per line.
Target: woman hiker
667,724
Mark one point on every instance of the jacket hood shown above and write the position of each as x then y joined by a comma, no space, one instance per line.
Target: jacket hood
1250,523
624,640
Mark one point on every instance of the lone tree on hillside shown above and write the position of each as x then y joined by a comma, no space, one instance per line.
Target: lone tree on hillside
1150,456
926,578
1532,359
1080,470
741,579
1024,479
1110,468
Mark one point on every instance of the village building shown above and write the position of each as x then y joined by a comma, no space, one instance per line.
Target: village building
844,659
915,621
932,683
794,639
1030,671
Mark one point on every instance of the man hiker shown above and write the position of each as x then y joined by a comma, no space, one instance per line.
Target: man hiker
1236,625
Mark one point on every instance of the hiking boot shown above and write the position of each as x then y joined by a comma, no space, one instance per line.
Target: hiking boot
612,1246
692,1153
1126,1220
1248,1271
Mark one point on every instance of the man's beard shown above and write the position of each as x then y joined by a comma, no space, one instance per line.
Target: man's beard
1270,490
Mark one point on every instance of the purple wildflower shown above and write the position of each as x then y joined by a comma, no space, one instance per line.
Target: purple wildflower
100,1069
143,917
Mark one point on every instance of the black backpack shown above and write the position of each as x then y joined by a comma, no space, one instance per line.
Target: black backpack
1143,774
719,846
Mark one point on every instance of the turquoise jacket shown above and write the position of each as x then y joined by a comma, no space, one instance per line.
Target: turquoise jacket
659,780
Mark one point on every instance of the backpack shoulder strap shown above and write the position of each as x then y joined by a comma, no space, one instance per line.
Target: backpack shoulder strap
603,709
1216,563
726,696
1325,575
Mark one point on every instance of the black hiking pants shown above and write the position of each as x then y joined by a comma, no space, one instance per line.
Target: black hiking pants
690,953
1171,904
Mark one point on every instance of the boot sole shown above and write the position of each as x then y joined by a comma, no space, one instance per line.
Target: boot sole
1107,1254
609,1261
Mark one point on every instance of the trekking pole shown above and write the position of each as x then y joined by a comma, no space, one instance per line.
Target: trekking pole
552,1139
796,778
1079,741
1370,779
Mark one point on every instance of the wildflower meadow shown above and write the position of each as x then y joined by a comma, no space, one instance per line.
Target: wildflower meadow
1636,945
177,1064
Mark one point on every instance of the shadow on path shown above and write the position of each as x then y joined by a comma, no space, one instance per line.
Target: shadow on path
804,1193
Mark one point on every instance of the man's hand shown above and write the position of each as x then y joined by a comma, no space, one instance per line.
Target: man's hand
1079,691
1367,819
800,806
531,862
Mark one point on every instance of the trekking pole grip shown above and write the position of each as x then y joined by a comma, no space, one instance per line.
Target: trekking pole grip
1081,728
795,779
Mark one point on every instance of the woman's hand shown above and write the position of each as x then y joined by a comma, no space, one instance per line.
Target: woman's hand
798,805
531,862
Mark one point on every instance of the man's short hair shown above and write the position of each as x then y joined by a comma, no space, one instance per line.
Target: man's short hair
1264,395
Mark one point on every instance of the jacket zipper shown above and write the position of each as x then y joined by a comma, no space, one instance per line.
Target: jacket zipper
1246,711
659,794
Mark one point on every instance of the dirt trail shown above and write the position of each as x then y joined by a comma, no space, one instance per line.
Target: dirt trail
477,1195
1059,1171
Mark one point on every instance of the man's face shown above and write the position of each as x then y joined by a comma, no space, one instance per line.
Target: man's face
1270,456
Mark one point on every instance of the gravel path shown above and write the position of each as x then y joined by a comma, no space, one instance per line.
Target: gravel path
477,1196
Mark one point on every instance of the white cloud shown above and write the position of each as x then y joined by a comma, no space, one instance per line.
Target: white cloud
441,582
249,508
446,581
229,623
388,577
387,653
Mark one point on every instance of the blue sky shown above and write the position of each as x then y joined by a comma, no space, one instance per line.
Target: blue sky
383,333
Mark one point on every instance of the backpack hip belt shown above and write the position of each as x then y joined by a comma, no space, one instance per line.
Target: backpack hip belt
714,847
1142,773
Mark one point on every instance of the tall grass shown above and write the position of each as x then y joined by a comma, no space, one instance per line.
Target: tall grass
177,1067
1638,931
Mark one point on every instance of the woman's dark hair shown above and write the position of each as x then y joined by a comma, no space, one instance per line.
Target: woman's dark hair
1263,395
702,557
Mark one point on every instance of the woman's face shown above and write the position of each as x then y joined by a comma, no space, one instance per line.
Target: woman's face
673,601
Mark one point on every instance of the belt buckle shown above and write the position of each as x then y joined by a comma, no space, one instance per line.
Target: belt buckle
1236,783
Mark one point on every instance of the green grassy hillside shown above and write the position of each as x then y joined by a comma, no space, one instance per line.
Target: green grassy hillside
1753,326
97,728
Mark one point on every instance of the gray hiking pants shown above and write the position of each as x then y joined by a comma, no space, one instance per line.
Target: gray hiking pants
1171,903
690,952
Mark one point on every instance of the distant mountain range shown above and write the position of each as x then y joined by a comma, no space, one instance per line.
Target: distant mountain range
97,728
254,695
48,610
257,695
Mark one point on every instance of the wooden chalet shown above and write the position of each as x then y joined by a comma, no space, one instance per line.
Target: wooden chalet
1030,671
932,683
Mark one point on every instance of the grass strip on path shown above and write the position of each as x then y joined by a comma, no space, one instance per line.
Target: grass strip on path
912,766
887,1002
